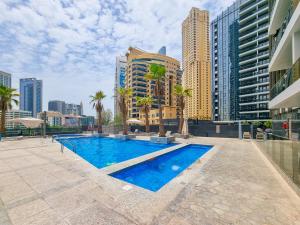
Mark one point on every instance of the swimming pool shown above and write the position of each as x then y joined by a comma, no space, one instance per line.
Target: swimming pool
155,173
104,151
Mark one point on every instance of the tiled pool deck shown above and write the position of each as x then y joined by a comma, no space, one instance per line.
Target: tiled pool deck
234,184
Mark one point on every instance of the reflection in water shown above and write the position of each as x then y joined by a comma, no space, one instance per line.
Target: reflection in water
285,153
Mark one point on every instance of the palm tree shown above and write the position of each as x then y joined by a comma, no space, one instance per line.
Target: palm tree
157,74
7,97
145,104
181,94
124,95
96,100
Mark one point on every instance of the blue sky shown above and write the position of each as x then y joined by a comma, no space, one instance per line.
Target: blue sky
72,44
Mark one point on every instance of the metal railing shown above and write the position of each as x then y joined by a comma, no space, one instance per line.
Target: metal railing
65,141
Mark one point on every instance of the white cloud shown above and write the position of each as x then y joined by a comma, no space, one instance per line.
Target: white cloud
72,45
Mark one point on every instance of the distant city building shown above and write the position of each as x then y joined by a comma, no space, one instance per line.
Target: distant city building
196,64
137,66
31,95
87,121
72,121
5,79
53,118
254,60
225,64
168,112
120,74
162,50
65,108
73,109
14,114
57,106
284,69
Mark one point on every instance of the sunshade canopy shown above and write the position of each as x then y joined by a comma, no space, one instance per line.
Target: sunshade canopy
27,122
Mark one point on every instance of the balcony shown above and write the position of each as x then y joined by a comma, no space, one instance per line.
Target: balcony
286,92
285,43
254,74
279,33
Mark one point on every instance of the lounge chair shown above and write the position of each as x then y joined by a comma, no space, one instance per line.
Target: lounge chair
260,136
246,135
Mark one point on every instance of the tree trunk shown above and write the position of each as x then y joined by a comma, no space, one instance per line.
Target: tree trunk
125,126
2,125
147,120
161,125
99,122
124,115
180,121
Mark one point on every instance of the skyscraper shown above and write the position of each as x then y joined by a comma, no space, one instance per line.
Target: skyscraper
57,106
120,74
73,109
254,60
5,79
196,64
225,63
65,108
31,95
137,66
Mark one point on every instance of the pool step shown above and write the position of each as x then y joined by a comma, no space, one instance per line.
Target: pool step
119,166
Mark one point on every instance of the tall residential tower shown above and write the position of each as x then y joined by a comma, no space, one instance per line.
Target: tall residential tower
138,62
120,74
31,95
196,64
284,69
254,60
225,64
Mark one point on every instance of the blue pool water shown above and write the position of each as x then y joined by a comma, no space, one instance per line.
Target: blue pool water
103,151
155,173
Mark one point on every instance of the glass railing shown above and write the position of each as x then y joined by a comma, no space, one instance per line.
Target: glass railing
286,80
284,153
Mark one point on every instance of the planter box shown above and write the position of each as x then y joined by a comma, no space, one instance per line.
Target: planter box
124,137
162,140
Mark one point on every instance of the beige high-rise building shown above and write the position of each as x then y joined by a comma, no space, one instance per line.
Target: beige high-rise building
196,64
138,62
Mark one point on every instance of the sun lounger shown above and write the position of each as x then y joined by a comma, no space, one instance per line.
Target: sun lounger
260,136
246,135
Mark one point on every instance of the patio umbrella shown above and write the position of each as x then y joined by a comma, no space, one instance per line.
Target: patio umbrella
27,122
135,121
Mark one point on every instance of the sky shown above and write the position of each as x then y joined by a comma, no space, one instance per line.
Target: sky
72,44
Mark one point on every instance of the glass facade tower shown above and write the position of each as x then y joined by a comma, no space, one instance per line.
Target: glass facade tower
31,91
253,60
225,63
120,74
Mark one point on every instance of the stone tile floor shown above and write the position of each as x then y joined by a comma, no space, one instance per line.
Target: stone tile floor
41,186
